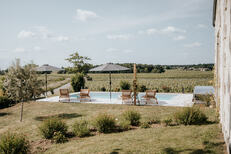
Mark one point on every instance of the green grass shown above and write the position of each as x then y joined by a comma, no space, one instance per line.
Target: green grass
159,139
176,80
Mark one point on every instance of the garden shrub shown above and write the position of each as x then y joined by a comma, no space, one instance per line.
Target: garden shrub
59,137
125,85
167,121
143,88
124,124
103,89
78,82
166,89
132,116
191,116
81,128
12,143
52,125
5,102
88,78
145,125
104,123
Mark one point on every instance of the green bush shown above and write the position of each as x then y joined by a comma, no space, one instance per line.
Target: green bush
104,123
59,137
132,116
124,124
81,128
191,116
103,89
145,125
52,125
142,88
167,121
12,143
125,85
78,82
5,102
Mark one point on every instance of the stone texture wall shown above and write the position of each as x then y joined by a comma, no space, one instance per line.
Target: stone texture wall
223,65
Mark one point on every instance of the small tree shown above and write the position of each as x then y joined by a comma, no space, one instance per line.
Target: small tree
21,83
79,63
78,82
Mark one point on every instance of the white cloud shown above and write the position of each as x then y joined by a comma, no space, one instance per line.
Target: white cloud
42,32
19,50
167,30
201,26
84,15
128,51
119,37
62,38
178,38
112,50
25,34
192,45
148,31
37,48
171,29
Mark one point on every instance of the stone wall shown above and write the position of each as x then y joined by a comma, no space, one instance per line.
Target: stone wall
223,65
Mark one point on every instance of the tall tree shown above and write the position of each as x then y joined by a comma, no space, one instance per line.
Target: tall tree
22,84
79,63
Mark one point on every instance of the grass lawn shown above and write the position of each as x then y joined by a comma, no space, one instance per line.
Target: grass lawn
157,139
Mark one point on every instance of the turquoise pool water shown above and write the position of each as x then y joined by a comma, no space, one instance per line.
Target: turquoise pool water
116,95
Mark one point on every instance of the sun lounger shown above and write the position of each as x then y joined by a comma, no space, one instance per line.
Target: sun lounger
150,97
85,95
126,97
64,94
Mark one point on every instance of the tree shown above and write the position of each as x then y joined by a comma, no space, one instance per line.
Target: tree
21,83
79,63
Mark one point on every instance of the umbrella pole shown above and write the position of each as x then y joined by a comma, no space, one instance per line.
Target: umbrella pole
46,83
134,83
110,83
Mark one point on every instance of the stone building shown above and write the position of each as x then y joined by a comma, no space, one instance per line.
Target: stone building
221,22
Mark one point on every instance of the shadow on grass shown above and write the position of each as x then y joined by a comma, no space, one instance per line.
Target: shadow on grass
208,148
115,151
61,116
4,114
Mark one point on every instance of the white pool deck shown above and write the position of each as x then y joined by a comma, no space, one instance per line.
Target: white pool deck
180,100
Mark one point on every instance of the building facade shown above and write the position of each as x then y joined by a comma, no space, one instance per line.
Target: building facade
221,22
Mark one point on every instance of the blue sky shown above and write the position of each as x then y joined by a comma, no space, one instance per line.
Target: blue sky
140,31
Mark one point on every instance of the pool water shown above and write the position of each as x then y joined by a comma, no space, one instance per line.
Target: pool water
116,96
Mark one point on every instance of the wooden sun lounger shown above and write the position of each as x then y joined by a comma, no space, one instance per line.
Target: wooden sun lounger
85,94
64,93
149,96
126,96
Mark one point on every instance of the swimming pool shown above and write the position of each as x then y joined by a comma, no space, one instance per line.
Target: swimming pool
116,96
164,99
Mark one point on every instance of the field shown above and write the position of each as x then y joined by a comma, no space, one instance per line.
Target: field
158,139
170,81
55,80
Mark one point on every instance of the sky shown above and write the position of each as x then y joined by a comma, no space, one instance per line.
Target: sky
118,31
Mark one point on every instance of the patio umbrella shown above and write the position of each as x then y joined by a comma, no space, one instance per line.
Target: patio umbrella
134,83
109,67
47,69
